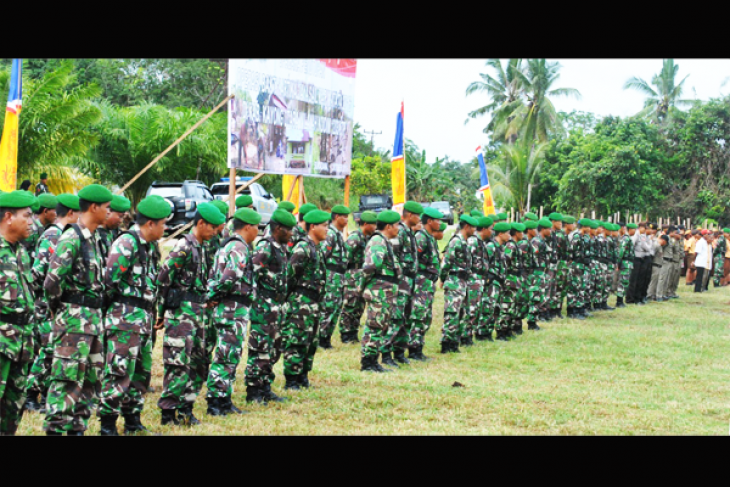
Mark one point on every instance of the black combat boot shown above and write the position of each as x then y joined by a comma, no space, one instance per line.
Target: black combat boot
531,325
32,403
109,425
292,382
469,340
253,394
269,395
502,336
304,380
559,313
378,367
133,424
227,406
416,353
325,343
78,433
620,302
347,337
517,327
214,407
169,416
388,360
455,347
186,416
584,311
366,365
579,313
399,355
570,313
42,410
604,305
445,346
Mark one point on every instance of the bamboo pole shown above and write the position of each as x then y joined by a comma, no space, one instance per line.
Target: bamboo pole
593,214
347,202
232,192
179,139
529,194
541,212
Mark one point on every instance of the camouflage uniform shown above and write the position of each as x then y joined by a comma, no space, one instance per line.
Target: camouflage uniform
267,312
106,238
231,286
612,264
601,259
381,277
455,271
74,288
16,332
404,248
211,248
541,261
335,261
492,289
529,292
551,279
353,305
298,234
579,271
475,288
183,278
509,297
31,243
625,259
130,280
718,257
560,241
429,263
306,276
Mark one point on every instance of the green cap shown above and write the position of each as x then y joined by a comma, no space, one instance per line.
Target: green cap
96,193
442,227
368,217
594,225
17,199
501,216
244,201
70,201
44,175
568,219
413,207
36,203
153,207
468,220
530,224
519,227
502,227
554,216
211,214
48,200
476,213
726,230
586,222
603,224
283,217
531,216
120,203
247,215
389,216
222,207
316,217
340,210
545,223
286,205
433,213
484,222
306,207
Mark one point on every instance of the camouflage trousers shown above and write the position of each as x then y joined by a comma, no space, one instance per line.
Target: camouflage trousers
533,299
488,312
561,285
474,293
184,355
577,285
39,376
331,304
211,339
226,356
265,343
396,336
353,305
455,307
509,302
424,290
380,297
624,277
300,333
13,383
123,354
718,269
608,280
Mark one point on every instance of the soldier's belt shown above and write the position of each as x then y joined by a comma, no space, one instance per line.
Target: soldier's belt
82,300
656,265
668,260
514,273
310,293
16,318
411,274
136,302
194,298
352,267
494,277
277,297
431,276
238,298
336,268
460,274
391,279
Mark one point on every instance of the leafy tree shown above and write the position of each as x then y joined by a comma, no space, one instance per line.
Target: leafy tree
515,169
504,90
661,103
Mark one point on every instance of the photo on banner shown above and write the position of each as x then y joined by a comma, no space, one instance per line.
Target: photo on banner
291,116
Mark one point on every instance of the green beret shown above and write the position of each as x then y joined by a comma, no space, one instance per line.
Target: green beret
476,214
389,216
306,207
568,219
222,207
442,227
120,203
283,217
244,201
502,227
286,205
632,225
70,201
545,223
484,222
247,215
518,227
316,217
433,213
555,216
211,214
96,193
17,199
36,203
468,220
584,222
413,207
341,210
530,224
726,230
152,207
501,216
594,225
602,224
531,216
368,217
48,200
44,175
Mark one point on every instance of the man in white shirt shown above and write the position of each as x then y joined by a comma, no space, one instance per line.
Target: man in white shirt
703,259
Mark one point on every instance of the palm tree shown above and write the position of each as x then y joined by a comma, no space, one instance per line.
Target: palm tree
662,102
517,167
504,90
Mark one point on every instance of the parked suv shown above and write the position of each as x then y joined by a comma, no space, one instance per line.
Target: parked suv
445,208
183,199
263,201
373,202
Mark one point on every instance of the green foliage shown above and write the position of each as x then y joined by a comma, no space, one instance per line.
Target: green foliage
661,103
516,168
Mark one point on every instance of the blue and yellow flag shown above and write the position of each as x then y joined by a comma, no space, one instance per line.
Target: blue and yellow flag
484,183
398,165
9,142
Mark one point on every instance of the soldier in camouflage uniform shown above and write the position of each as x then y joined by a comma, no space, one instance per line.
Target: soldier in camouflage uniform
298,232
231,285
267,313
67,210
335,260
306,276
74,289
243,201
718,259
429,264
283,205
16,307
108,232
533,276
542,253
130,281
626,264
476,281
455,271
485,311
36,227
509,320
379,287
557,271
494,281
183,292
579,270
353,305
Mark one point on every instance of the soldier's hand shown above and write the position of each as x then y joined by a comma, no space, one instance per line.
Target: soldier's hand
211,304
441,284
159,323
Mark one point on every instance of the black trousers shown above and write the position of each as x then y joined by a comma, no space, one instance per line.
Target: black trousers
698,280
631,294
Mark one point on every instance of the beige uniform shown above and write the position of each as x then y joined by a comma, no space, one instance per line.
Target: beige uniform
656,268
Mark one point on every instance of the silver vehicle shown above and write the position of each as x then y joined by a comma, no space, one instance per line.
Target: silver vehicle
263,201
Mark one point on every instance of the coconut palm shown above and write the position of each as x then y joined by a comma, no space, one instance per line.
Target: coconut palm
662,101
517,167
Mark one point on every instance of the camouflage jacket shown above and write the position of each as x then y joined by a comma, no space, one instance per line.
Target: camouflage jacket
380,260
429,259
600,245
46,248
578,248
495,255
30,243
626,251
211,247
227,231
106,239
185,269
16,298
512,263
406,250
333,250
540,252
527,254
231,275
270,269
297,235
457,257
479,263
355,245
560,240
305,268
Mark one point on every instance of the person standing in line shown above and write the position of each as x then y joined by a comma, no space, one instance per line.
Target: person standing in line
42,187
662,286
625,267
335,261
475,283
642,255
703,259
689,246
657,264
718,264
109,230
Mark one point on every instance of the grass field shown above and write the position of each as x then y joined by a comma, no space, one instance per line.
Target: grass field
657,369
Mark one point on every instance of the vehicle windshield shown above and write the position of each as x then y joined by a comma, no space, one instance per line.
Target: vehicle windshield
198,192
222,189
166,191
373,200
440,204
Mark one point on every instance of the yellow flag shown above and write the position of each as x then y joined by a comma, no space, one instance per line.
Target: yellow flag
286,182
9,142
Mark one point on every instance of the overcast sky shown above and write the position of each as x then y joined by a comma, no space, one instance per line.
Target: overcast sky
436,106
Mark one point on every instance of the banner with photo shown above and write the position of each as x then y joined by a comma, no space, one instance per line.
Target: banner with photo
291,116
